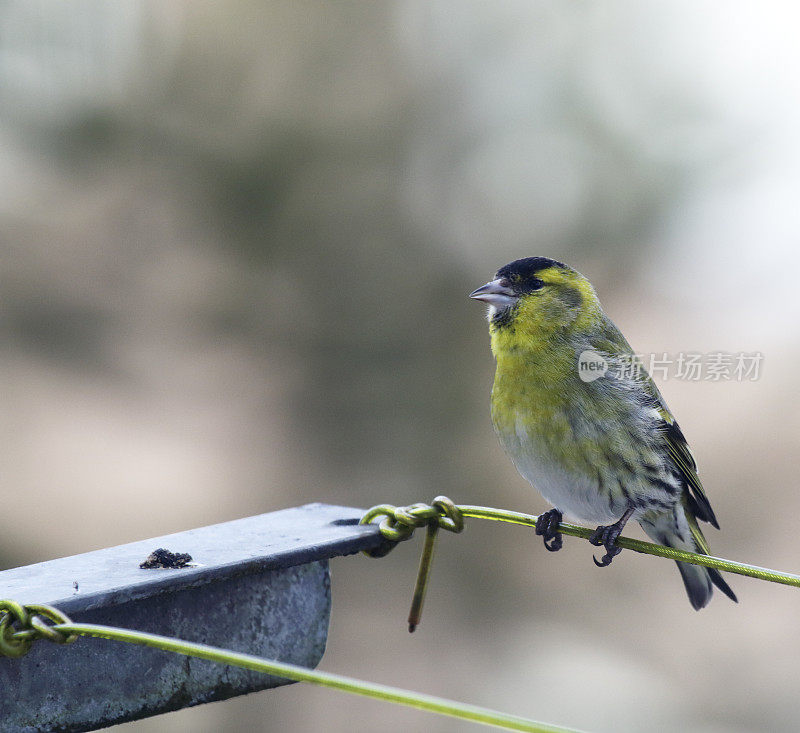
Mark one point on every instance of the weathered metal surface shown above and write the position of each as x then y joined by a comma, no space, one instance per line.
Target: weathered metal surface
259,585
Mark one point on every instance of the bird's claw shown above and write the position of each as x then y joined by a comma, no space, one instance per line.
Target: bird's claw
607,558
606,537
547,527
556,543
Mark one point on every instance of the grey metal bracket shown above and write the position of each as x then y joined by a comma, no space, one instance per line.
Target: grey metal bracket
258,585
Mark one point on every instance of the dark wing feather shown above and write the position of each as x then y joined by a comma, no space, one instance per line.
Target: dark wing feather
683,460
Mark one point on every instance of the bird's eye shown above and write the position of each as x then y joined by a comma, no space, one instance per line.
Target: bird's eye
534,284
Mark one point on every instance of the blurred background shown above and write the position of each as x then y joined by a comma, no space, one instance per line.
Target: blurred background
237,242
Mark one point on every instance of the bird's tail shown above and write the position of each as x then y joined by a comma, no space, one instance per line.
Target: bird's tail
680,530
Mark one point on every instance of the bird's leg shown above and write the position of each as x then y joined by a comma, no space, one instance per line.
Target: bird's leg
607,537
547,527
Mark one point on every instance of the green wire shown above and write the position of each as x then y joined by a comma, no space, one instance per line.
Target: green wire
398,525
647,548
324,679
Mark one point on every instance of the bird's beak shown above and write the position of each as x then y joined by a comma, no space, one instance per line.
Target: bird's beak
496,294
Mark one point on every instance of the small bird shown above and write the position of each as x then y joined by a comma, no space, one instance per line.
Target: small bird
598,442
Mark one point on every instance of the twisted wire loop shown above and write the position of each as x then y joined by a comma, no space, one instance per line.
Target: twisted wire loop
399,523
21,625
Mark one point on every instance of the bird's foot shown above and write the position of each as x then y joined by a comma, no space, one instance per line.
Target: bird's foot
547,527
606,536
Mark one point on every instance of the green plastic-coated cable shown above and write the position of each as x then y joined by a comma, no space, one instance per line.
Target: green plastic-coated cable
294,672
398,524
647,548
21,625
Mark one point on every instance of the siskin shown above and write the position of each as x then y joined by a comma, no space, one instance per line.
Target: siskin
604,449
